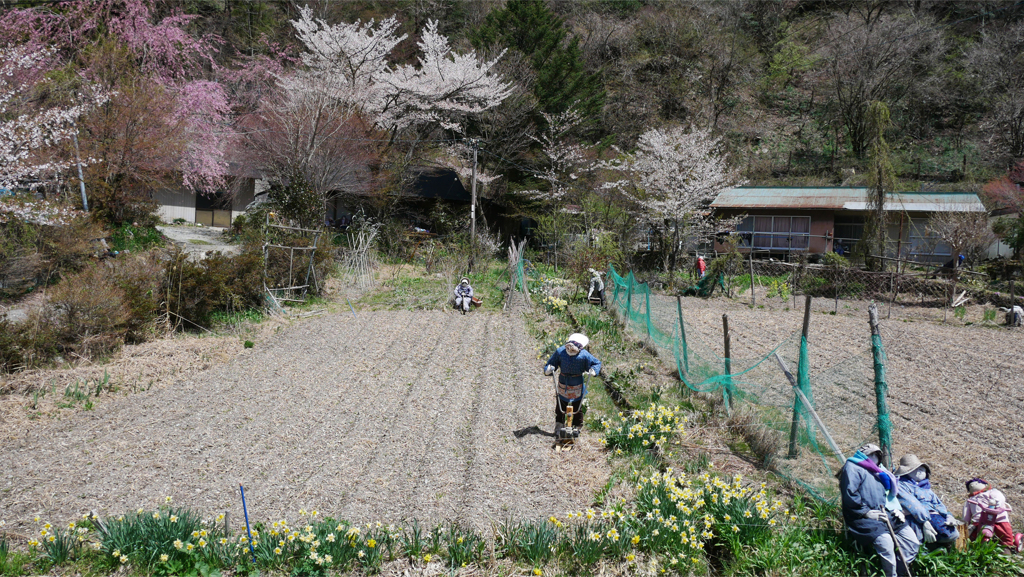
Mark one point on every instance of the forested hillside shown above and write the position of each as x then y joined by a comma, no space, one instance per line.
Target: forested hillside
786,82
563,103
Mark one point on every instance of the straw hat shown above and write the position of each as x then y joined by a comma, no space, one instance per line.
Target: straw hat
909,464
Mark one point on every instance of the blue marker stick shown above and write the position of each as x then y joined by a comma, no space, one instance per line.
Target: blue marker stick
247,530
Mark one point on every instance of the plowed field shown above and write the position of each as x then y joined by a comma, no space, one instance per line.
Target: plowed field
385,417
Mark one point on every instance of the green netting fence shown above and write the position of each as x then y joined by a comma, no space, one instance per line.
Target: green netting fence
839,385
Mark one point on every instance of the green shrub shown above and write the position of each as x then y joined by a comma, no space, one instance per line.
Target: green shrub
196,290
816,286
135,238
581,257
835,259
31,254
87,311
117,203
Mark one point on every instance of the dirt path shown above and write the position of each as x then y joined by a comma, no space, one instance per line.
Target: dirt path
199,240
390,416
956,393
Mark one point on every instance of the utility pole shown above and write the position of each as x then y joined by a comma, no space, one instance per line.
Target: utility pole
472,209
81,179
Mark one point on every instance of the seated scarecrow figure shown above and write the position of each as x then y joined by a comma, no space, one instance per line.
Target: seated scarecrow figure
987,514
872,512
927,515
463,295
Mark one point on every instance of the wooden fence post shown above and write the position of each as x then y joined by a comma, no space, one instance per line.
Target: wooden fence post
753,299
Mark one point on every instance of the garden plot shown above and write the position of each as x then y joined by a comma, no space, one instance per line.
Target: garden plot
956,393
386,417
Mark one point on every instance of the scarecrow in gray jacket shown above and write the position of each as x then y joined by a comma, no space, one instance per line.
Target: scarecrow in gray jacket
869,499
463,295
927,515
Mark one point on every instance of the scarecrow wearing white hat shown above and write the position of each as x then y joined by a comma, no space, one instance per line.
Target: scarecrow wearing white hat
872,511
572,362
463,295
930,519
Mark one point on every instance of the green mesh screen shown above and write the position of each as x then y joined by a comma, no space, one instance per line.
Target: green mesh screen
839,385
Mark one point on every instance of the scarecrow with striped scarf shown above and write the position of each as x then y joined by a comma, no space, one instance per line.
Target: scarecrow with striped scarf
869,499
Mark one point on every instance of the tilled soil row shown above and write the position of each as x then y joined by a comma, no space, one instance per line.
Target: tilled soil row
387,417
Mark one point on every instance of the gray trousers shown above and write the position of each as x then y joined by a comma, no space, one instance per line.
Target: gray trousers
884,547
463,302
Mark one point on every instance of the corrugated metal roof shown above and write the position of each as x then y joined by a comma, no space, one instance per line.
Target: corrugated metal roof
843,198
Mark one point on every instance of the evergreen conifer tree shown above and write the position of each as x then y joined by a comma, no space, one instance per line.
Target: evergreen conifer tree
530,27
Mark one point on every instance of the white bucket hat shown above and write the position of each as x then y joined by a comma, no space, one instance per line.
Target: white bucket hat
576,343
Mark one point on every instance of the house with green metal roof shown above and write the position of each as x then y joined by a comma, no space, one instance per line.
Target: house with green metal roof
785,221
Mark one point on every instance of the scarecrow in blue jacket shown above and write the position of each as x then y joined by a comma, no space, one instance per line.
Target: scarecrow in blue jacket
869,499
572,362
930,519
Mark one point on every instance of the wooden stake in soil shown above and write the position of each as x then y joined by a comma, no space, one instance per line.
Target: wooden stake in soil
1013,301
682,335
727,383
794,428
753,299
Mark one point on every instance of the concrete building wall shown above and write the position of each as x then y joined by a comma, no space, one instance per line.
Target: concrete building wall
175,203
180,203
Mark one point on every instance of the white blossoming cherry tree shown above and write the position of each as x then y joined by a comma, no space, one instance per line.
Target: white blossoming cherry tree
443,89
28,133
674,176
